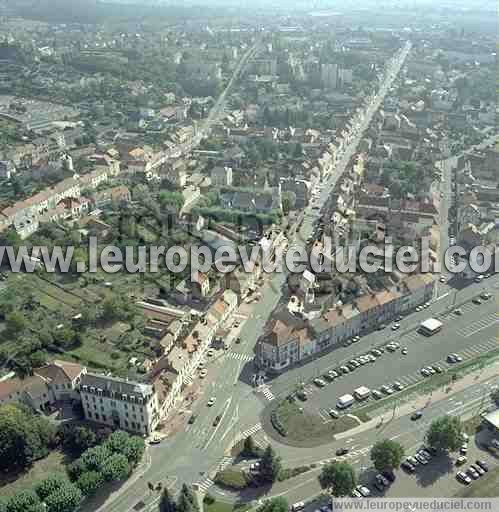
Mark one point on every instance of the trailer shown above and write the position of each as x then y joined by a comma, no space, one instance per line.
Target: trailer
430,326
362,393
345,401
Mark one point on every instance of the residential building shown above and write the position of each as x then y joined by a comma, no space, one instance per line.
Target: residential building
7,169
119,403
221,176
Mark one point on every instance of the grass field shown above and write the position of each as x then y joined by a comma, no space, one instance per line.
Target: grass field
307,429
221,506
55,462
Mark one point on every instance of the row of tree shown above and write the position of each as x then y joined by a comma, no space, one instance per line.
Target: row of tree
444,434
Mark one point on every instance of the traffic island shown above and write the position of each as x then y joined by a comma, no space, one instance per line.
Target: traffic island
290,423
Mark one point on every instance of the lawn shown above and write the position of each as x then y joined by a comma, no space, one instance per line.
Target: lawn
485,487
307,429
55,462
222,506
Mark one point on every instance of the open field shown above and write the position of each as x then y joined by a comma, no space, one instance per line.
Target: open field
55,462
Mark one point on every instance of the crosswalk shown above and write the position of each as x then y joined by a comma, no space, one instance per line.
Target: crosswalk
204,485
240,357
266,392
251,431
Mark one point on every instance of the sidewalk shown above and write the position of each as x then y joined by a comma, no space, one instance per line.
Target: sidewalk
423,401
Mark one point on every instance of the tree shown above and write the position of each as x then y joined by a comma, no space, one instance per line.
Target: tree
279,504
340,476
116,468
445,433
270,465
65,499
51,484
387,455
24,437
288,200
249,447
25,501
494,395
15,323
167,503
89,482
187,501
94,458
78,439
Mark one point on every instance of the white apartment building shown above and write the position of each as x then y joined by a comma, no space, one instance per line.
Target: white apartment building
119,403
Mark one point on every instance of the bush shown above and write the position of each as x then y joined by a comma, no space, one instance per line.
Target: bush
285,474
209,499
276,423
232,479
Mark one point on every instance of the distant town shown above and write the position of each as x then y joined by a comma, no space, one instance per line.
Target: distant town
182,385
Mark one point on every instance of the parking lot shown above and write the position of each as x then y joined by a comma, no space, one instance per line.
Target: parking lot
469,335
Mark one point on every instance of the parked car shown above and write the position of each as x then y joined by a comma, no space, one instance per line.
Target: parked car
203,373
416,415
462,459
333,413
377,394
472,473
217,419
478,469
389,475
398,386
319,383
211,401
407,466
341,451
482,464
364,490
463,477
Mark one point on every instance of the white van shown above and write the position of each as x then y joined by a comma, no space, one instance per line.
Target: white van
299,505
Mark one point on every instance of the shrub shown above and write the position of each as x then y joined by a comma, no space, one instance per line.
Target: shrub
232,479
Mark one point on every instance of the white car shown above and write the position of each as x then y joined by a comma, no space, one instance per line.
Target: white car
203,373
363,490
425,372
395,327
210,352
319,383
211,401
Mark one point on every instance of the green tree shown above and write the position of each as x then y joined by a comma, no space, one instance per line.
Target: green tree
24,437
89,482
94,458
445,433
494,395
387,454
167,503
187,501
340,476
116,468
288,200
15,323
270,465
279,504
249,447
78,439
25,501
65,499
51,484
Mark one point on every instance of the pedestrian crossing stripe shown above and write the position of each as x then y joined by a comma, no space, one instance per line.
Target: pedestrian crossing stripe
266,392
253,430
240,357
204,485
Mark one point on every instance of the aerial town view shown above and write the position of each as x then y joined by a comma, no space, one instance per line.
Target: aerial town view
249,256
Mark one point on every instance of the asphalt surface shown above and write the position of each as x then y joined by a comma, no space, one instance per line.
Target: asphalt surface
195,453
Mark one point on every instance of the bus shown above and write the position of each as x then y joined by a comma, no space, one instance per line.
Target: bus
430,327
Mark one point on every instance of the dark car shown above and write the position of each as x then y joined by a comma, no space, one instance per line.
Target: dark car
192,419
216,421
389,475
341,451
407,466
416,415
483,465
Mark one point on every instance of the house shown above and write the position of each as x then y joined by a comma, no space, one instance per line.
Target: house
55,382
221,176
200,284
7,169
119,403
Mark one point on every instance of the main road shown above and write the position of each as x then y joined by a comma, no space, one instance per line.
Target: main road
199,449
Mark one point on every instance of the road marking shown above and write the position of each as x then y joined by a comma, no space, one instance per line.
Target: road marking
228,402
